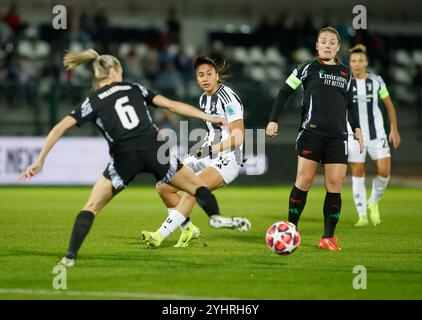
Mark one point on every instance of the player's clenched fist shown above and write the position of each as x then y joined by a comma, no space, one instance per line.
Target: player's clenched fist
272,129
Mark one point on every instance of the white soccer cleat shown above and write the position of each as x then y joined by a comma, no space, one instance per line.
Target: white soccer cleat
236,223
66,262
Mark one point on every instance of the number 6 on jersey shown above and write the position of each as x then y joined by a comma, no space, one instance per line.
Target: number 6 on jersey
126,113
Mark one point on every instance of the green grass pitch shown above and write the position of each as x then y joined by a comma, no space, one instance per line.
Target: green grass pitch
35,225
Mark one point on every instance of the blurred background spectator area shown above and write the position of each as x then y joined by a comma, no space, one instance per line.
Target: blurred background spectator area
158,41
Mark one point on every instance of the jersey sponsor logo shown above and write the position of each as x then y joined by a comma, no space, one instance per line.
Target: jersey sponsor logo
230,110
332,80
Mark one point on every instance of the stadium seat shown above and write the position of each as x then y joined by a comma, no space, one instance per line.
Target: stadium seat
141,50
257,73
273,56
124,49
25,49
302,54
76,46
417,57
402,57
256,55
401,75
240,55
42,49
274,73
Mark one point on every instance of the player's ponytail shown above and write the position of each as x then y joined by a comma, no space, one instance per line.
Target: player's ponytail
74,59
101,63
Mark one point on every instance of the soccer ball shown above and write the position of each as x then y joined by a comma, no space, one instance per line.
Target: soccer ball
283,238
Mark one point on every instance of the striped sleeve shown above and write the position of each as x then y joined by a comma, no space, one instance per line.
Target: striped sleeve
84,113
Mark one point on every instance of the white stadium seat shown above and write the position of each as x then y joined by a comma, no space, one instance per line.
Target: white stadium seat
240,55
256,55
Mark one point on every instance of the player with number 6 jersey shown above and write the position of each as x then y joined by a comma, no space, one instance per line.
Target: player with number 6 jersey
119,110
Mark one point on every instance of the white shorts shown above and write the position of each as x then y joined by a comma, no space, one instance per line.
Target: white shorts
377,149
225,164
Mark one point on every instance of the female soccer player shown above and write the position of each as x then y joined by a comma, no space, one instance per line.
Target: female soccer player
218,161
326,107
119,110
366,88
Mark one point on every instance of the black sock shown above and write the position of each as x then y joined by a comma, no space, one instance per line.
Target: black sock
207,201
297,201
332,208
83,223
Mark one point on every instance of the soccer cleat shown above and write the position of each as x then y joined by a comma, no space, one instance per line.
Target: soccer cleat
362,222
329,244
66,262
374,213
190,233
236,223
152,239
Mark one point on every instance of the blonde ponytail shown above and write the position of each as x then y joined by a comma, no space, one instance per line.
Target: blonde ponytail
74,59
101,63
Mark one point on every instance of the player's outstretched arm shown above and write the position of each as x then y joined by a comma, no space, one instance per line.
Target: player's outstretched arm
53,136
185,110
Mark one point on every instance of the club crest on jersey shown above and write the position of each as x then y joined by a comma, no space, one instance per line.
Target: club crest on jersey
213,106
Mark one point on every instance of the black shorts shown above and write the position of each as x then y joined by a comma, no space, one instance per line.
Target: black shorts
321,149
123,167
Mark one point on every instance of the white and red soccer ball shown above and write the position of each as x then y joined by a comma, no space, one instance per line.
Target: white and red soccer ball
283,238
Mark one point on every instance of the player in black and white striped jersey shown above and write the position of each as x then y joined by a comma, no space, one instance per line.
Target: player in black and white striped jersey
219,159
367,89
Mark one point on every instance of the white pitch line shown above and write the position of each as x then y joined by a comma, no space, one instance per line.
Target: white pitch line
105,294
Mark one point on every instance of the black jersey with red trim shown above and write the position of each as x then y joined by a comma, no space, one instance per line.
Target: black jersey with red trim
326,97
120,112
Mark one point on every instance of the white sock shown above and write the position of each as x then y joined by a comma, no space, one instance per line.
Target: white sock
173,221
379,185
185,224
359,195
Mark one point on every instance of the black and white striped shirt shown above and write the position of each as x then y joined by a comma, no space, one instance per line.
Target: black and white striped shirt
365,98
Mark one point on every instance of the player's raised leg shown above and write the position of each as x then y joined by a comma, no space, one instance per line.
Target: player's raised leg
306,170
379,185
101,194
359,192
